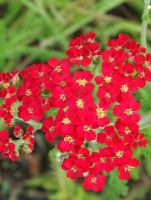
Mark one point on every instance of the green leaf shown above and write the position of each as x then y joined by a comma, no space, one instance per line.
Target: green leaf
118,186
2,124
135,174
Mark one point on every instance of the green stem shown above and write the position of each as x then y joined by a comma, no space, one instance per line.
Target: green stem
144,24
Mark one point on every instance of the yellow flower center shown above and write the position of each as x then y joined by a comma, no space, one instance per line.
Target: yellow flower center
28,92
108,79
74,169
124,88
103,160
80,156
127,130
128,168
147,64
41,74
87,128
63,83
69,139
142,75
128,111
94,180
81,82
107,95
101,113
63,97
30,110
66,121
119,154
52,128
58,69
80,103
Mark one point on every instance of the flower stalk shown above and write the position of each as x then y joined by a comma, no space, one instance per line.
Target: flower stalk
144,23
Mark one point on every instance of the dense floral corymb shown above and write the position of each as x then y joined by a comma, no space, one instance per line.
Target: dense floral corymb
74,100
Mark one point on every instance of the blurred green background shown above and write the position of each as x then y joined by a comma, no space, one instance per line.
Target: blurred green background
35,30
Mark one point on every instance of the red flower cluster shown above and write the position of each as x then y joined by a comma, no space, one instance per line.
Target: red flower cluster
92,144
83,50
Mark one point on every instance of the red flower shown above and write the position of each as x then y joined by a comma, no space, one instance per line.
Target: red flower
60,68
28,89
101,116
30,110
139,141
78,56
86,126
127,111
18,131
122,152
4,136
73,171
102,161
108,137
64,122
107,95
83,158
82,49
49,127
94,182
62,96
81,83
124,170
67,144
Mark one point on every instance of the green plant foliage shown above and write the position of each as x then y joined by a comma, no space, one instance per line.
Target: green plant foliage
29,30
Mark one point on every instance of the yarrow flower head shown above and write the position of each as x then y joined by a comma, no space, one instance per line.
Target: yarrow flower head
74,106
